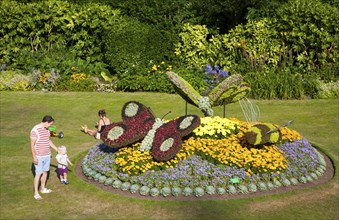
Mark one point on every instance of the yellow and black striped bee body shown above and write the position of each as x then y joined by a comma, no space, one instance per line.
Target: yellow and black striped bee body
264,133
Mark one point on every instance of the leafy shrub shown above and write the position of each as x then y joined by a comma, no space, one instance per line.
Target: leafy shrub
85,84
198,191
133,44
308,29
285,83
43,25
328,90
144,82
176,191
231,189
44,80
13,81
125,186
108,181
243,189
210,190
116,184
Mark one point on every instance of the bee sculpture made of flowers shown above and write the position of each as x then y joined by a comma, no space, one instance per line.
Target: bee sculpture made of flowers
259,133
263,133
162,138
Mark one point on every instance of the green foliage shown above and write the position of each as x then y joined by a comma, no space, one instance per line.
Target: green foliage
310,29
260,47
12,81
328,72
264,9
67,84
163,14
30,27
328,90
193,45
51,30
152,78
144,82
165,17
133,44
285,83
256,42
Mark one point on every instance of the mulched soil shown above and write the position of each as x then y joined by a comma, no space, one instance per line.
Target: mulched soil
327,176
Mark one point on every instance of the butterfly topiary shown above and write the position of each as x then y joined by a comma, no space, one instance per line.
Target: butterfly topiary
138,121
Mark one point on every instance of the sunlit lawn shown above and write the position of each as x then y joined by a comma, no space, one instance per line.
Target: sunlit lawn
317,120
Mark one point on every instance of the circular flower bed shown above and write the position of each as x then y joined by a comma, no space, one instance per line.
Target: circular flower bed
214,159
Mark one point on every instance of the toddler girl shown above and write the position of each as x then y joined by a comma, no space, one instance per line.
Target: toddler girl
63,162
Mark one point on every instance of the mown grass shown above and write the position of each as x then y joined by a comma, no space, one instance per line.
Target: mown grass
317,120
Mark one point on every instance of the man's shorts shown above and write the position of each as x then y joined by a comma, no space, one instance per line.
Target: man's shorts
43,164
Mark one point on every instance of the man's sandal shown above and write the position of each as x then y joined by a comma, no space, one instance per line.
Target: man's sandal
46,191
37,197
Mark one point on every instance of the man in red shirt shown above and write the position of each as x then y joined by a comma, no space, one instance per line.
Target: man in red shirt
41,152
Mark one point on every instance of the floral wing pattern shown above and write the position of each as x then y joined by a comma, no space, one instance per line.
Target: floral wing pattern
167,139
137,121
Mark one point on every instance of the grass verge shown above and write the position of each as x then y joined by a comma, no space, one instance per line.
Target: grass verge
317,120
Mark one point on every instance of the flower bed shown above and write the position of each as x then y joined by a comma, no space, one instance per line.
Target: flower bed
214,159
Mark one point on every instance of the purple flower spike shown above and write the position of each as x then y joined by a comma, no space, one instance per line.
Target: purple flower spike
223,73
208,69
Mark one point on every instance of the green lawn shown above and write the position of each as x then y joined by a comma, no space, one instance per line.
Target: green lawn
317,120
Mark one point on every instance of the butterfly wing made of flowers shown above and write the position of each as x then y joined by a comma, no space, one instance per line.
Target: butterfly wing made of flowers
137,121
168,137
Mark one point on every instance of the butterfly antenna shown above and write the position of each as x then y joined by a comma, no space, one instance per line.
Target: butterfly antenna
165,115
149,108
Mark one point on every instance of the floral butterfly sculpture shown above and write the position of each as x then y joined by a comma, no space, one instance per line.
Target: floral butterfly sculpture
163,139
228,91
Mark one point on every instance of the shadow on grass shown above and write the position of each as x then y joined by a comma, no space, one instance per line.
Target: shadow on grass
48,172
